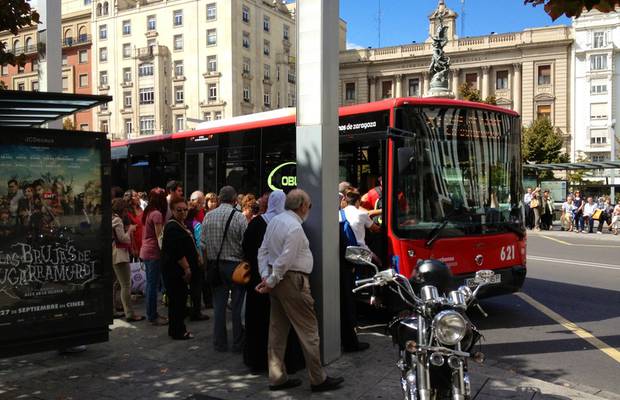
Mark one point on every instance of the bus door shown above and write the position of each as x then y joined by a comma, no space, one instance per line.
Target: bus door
201,170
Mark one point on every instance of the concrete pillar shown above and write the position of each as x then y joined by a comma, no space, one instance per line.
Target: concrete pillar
50,67
317,156
373,88
455,82
485,82
398,92
516,88
427,82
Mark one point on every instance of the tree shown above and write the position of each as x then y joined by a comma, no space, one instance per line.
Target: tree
467,92
15,15
67,124
573,8
542,144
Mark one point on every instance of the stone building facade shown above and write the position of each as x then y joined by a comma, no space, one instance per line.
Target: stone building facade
527,71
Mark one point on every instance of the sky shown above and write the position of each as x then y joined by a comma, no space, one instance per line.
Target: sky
405,21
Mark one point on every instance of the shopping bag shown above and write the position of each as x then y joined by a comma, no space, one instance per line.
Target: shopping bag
597,214
138,278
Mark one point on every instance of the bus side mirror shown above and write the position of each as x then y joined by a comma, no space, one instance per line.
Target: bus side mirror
406,160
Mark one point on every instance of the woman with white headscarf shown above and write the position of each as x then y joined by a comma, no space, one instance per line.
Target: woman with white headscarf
258,305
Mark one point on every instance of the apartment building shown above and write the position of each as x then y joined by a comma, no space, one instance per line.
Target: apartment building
596,85
169,63
526,71
76,57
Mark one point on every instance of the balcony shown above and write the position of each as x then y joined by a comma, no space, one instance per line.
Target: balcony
31,49
145,53
76,41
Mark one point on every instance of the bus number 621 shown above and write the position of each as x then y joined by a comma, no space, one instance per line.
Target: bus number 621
507,253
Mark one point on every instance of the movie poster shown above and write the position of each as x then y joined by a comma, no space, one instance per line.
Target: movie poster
51,246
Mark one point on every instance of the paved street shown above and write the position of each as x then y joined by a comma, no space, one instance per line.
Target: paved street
578,277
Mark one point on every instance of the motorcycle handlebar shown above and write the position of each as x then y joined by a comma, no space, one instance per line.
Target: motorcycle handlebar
364,281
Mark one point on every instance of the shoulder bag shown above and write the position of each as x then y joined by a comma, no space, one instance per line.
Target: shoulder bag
213,267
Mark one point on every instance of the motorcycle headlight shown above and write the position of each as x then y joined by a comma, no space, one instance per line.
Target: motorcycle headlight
450,327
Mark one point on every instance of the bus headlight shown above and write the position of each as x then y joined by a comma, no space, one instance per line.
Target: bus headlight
450,327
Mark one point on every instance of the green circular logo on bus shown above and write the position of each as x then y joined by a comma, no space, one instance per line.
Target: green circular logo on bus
283,177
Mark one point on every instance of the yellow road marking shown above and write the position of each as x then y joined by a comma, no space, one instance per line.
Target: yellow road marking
578,244
572,327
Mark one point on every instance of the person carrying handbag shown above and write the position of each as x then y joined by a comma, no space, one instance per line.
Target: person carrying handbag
222,235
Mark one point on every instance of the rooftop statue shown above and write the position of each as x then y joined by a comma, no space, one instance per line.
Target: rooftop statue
440,63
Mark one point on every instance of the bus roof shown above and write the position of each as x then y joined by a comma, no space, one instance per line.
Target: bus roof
285,116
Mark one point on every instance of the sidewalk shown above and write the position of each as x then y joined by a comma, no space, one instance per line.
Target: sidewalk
557,232
140,362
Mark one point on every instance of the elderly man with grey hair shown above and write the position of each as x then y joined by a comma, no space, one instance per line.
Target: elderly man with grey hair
222,234
285,263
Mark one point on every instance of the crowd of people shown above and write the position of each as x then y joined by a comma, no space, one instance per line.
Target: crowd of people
578,213
191,248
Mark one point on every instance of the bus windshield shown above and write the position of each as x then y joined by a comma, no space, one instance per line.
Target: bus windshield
457,172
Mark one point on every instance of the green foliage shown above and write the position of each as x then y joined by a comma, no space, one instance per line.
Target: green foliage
467,92
573,8
575,177
542,144
67,124
491,100
15,15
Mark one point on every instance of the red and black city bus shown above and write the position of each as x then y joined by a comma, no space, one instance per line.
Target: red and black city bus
451,174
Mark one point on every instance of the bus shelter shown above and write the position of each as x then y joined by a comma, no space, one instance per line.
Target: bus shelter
55,243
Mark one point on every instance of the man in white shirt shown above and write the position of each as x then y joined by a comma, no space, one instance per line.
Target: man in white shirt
285,263
588,212
527,199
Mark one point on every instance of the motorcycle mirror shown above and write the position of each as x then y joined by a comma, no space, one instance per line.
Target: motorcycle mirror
358,255
484,276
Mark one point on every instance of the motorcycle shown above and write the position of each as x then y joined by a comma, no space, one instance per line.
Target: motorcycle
434,335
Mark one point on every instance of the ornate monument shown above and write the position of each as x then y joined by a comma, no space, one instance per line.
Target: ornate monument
440,63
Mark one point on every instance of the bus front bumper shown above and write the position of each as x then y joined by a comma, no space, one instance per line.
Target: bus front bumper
511,281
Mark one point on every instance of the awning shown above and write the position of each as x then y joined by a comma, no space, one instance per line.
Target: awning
574,166
31,109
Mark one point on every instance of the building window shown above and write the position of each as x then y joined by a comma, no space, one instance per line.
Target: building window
599,40
179,95
178,18
127,99
414,87
4,70
349,91
65,83
103,54
501,80
285,32
386,89
103,78
65,60
126,28
127,74
598,136
147,125
103,32
543,111
598,88
178,68
471,79
246,65
21,86
104,107
126,50
266,23
598,62
291,75
83,127
218,115
179,123
211,11
147,96
245,14
211,37
21,68
178,42
105,10
292,101
128,126
83,80
104,126
151,23
212,88
145,69
267,71
246,40
598,111
82,57
206,116
88,2
266,47
544,74
267,99
35,86
246,94
212,63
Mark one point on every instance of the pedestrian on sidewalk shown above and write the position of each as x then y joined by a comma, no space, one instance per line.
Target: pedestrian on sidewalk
222,234
578,218
547,211
180,260
285,263
193,222
527,199
536,207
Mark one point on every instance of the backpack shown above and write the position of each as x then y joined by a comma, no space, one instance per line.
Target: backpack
346,229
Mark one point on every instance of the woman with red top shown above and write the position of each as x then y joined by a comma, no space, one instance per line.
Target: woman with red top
135,216
150,252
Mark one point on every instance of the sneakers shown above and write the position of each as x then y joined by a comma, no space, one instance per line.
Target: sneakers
599,232
291,383
328,384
